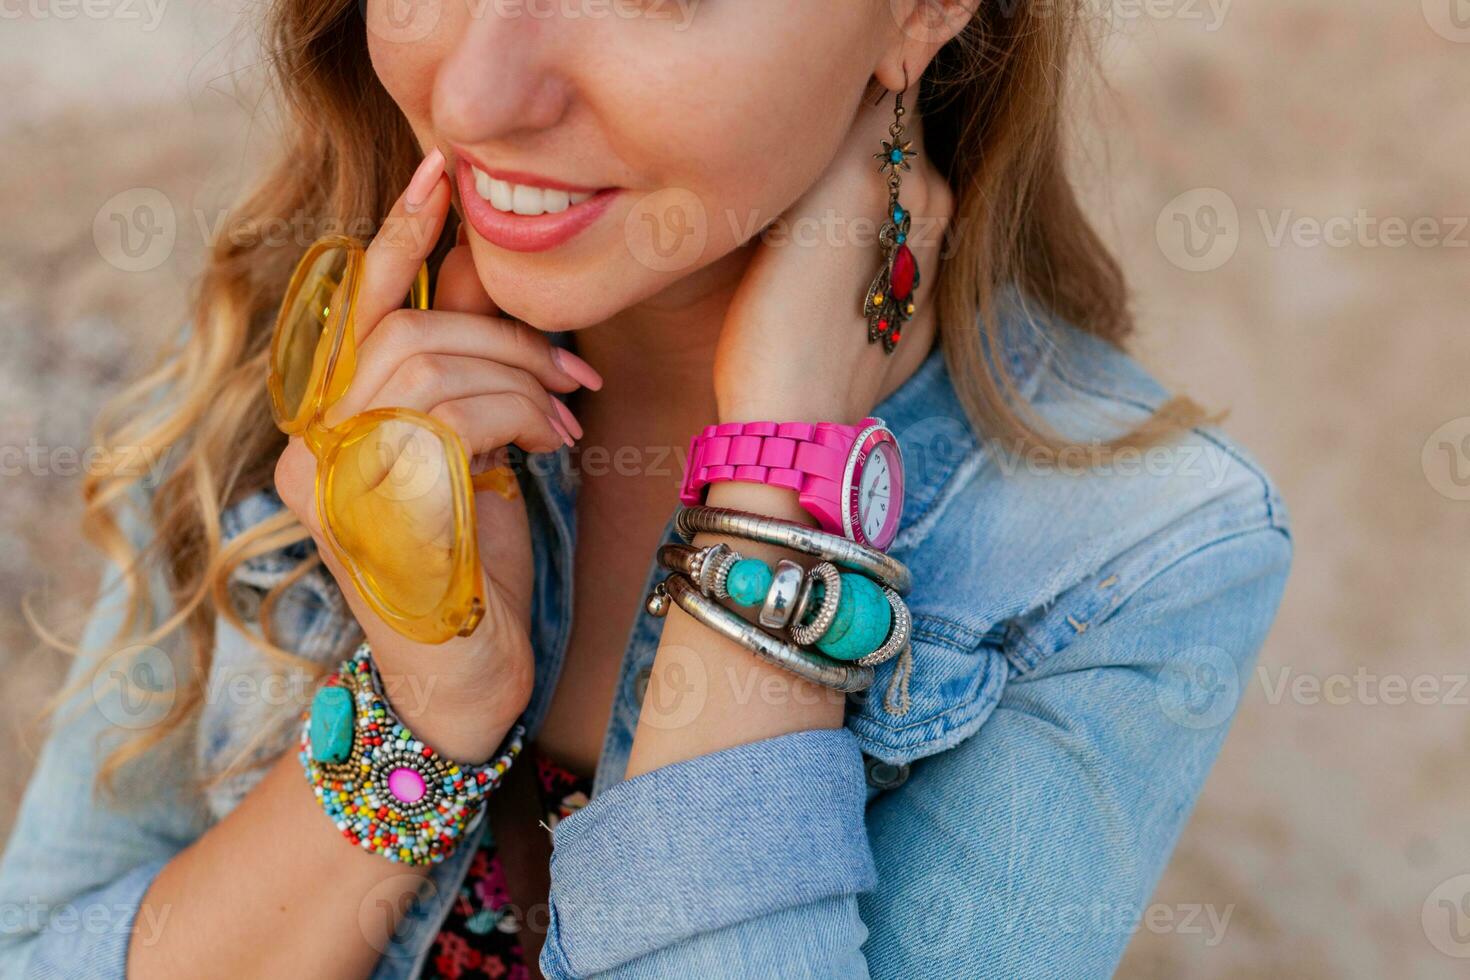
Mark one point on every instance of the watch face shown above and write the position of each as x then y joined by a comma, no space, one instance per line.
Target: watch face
876,490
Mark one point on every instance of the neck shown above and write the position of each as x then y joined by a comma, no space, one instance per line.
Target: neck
657,359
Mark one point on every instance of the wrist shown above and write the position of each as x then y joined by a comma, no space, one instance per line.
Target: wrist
462,715
788,406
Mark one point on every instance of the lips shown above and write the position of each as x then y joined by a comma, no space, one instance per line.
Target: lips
524,213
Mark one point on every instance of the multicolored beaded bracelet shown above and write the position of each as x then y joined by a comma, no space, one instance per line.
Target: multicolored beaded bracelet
386,791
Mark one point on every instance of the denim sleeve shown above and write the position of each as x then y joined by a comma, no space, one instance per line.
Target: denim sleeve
79,862
1031,849
701,865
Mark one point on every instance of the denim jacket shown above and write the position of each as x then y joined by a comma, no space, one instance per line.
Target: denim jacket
1081,636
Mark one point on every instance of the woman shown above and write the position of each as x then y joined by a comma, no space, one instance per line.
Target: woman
643,219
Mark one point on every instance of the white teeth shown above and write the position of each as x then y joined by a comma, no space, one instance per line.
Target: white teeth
528,200
482,183
501,196
523,200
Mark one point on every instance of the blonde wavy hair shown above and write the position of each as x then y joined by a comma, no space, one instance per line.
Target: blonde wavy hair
993,109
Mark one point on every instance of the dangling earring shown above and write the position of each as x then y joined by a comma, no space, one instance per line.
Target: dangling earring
890,300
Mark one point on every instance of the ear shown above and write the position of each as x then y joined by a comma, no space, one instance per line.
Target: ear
923,27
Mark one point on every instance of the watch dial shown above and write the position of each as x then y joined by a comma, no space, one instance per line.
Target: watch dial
875,493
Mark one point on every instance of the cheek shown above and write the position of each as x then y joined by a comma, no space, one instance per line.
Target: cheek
765,119
407,73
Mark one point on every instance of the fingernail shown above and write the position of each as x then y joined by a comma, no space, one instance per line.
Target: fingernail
567,418
577,369
561,430
424,179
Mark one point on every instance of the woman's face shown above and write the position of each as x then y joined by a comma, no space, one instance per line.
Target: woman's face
603,150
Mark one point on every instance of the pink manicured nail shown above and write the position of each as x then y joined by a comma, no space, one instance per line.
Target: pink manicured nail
561,430
567,418
424,179
579,370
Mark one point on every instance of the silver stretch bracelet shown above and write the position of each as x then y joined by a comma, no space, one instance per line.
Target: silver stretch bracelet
798,537
809,666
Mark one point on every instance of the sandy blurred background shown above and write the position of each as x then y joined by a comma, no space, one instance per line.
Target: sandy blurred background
1287,182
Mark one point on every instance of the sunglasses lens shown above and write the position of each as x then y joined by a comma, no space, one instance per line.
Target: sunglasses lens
394,500
314,304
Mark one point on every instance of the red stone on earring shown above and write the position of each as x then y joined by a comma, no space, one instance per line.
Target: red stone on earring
904,267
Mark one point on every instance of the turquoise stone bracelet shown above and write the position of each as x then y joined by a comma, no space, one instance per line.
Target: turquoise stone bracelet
864,615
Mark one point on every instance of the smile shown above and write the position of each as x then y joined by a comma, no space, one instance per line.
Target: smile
526,213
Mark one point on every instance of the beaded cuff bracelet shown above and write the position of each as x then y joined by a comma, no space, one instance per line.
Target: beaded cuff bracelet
386,791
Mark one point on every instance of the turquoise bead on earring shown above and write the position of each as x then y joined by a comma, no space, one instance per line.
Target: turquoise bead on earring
749,581
331,725
863,620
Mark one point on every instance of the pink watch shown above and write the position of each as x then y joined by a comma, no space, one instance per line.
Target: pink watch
850,478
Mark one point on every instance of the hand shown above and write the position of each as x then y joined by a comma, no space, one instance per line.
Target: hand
490,380
794,345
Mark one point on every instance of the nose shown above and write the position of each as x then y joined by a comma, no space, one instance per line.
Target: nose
500,78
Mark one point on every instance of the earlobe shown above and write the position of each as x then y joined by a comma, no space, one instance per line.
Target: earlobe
924,27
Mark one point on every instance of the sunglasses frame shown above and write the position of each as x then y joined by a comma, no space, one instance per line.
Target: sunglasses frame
459,612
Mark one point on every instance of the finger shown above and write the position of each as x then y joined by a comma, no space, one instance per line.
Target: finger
485,423
427,380
401,245
406,333
295,482
458,288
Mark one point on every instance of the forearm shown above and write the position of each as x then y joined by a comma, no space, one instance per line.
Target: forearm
707,693
273,890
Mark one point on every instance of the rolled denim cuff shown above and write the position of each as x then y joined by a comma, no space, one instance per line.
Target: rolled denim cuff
89,935
704,844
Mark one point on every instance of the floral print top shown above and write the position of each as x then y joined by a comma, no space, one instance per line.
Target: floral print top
480,938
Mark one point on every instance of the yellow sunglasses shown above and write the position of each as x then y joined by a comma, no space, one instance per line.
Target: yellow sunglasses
393,486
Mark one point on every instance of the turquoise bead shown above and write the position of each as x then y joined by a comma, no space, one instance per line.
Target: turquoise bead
898,214
863,619
896,156
749,581
331,725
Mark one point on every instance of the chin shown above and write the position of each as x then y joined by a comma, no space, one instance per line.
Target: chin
561,301
554,304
